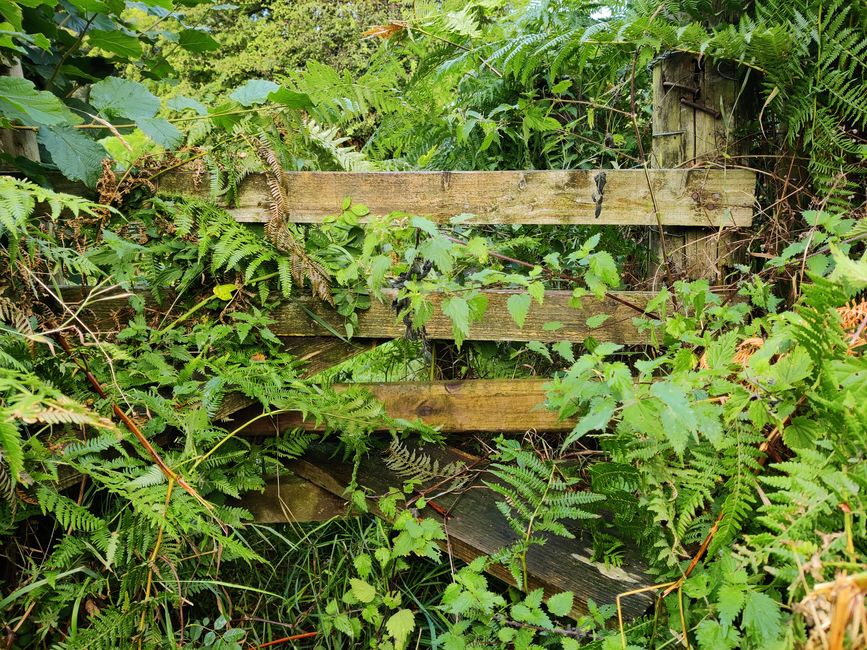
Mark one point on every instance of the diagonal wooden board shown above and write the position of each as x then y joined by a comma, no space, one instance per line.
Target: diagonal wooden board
475,527
633,197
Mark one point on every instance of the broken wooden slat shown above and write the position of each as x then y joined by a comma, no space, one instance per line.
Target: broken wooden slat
293,318
290,498
475,527
469,406
694,197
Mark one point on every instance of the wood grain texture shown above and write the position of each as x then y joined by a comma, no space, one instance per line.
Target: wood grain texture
683,197
469,406
475,527
293,318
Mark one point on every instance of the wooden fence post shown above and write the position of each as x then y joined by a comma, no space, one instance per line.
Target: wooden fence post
17,142
694,116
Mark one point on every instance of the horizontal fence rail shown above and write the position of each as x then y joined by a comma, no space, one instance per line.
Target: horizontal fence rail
634,197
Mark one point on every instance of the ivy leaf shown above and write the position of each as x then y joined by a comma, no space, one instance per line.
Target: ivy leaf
518,306
195,40
19,100
116,42
254,91
364,591
458,311
77,157
560,604
122,97
400,625
161,131
762,616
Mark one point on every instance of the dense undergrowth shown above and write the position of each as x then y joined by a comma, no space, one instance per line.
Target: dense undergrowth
731,451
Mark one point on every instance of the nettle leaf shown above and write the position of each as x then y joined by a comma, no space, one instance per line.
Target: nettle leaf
518,306
602,265
458,311
195,40
363,591
597,419
438,250
161,131
116,42
762,616
77,157
730,601
20,101
677,414
124,98
564,349
400,625
597,321
254,91
560,604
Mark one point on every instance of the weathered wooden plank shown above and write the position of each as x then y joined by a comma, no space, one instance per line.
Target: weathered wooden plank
293,318
683,197
290,498
469,406
475,527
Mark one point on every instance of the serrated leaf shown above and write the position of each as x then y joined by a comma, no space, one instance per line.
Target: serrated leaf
254,91
560,604
564,349
182,103
116,42
597,419
537,290
20,101
362,590
400,625
224,291
597,321
761,616
195,40
730,600
518,306
458,311
161,131
77,157
122,97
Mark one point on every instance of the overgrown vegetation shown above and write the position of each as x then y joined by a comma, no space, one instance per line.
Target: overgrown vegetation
731,451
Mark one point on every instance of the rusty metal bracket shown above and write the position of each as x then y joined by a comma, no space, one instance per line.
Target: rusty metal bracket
701,107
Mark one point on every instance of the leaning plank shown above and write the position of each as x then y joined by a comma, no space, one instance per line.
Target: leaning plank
307,316
290,498
693,197
475,527
470,406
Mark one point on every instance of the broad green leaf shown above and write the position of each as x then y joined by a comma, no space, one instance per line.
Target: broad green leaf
254,91
518,306
123,98
680,420
438,250
424,224
12,12
790,369
564,349
195,40
597,419
161,131
363,591
713,636
458,311
116,42
76,156
552,326
290,98
762,616
597,321
182,103
225,291
379,266
602,265
537,290
20,101
730,601
560,604
400,625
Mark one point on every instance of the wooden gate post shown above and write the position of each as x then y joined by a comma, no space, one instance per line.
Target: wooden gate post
694,115
17,142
